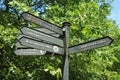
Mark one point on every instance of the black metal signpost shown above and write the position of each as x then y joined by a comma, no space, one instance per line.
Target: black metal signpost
46,39
65,70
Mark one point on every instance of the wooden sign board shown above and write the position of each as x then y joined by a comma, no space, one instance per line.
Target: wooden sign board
41,45
29,52
91,45
42,23
41,36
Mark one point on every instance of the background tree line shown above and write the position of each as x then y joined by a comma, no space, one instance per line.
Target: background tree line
89,21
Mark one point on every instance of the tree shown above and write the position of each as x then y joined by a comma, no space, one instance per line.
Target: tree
89,21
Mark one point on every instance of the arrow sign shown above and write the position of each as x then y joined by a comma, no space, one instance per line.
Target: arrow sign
22,35
18,45
42,23
29,52
48,32
42,36
45,31
40,45
91,45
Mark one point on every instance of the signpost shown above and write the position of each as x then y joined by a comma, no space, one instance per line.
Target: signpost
91,45
45,40
65,69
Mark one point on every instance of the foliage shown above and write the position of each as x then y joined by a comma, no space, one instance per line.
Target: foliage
89,21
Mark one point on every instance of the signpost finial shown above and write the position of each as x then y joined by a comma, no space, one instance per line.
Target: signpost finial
66,24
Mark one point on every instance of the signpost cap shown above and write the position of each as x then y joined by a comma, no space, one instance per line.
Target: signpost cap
66,24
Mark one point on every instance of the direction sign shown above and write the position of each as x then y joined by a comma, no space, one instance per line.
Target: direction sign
29,52
18,45
41,45
48,32
91,44
42,36
45,31
22,35
42,23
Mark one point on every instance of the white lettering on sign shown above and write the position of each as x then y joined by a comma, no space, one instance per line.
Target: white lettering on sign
36,33
55,49
30,52
42,52
92,43
37,44
41,22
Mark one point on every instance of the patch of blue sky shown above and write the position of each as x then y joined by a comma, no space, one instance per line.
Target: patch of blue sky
115,13
2,6
39,9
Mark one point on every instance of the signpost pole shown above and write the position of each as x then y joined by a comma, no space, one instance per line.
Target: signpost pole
65,69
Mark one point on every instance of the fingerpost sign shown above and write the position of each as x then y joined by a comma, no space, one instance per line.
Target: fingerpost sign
49,38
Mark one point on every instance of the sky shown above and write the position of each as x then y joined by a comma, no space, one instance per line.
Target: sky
115,13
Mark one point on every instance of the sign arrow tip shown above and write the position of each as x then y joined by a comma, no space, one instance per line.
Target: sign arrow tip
110,40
